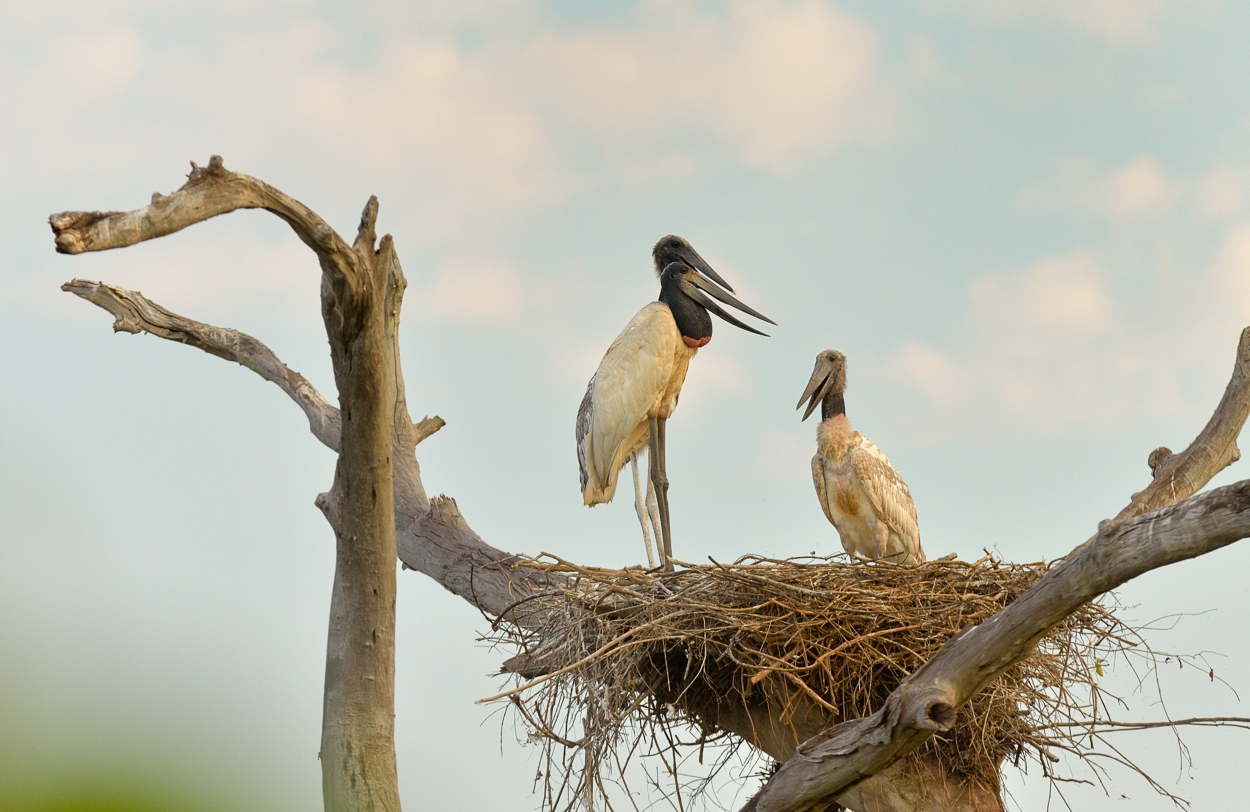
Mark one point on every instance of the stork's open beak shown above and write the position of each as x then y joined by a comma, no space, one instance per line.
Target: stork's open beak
695,291
822,378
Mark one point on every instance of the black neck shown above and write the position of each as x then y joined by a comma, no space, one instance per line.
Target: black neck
693,320
832,406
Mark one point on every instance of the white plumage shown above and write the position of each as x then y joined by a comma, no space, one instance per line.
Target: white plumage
859,490
639,378
635,389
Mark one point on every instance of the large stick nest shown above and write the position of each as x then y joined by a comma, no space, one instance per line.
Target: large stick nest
627,655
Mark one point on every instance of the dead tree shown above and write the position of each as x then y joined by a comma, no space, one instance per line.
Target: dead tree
378,508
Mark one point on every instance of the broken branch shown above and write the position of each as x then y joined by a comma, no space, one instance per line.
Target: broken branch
134,313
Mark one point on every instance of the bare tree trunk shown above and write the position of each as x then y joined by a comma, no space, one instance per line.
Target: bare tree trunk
361,294
358,771
854,762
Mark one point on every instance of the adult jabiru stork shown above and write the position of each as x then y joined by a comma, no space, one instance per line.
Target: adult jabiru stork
860,491
635,389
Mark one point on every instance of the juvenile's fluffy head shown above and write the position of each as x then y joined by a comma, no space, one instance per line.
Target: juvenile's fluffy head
829,377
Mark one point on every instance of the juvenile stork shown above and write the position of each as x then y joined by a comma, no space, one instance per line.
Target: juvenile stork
860,491
635,388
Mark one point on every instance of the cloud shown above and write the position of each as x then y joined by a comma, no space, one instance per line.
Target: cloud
1116,21
1095,338
420,113
1057,297
485,293
487,116
931,373
1068,344
1223,192
470,125
930,67
1231,271
771,85
1032,331
1140,192
66,84
111,57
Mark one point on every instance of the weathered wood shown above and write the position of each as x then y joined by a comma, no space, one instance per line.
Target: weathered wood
915,784
360,288
358,732
209,191
1178,476
133,313
433,537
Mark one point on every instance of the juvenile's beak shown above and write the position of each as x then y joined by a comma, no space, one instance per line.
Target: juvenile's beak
817,387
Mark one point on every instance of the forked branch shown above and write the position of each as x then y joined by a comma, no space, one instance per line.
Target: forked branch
1178,476
361,291
432,537
135,313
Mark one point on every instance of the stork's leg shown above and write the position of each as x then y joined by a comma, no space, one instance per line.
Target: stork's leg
660,478
641,509
653,511
666,522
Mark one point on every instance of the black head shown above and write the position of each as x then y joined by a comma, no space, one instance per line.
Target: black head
686,292
828,378
674,249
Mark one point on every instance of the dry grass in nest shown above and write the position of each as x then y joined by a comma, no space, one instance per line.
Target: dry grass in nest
631,659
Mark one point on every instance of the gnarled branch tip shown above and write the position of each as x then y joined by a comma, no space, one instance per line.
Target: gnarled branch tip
427,426
365,232
1158,458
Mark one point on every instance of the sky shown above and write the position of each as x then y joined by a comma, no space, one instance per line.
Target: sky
1027,225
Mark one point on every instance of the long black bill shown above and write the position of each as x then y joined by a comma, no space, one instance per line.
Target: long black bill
822,379
691,257
704,285
702,299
